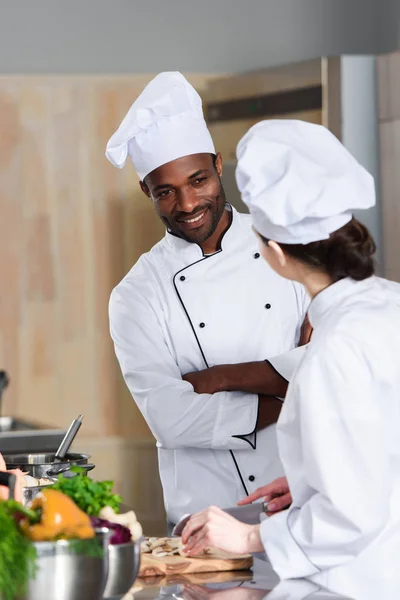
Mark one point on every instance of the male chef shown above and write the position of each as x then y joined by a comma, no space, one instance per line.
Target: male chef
197,317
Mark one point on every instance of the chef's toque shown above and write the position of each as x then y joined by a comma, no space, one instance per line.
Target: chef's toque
164,123
299,182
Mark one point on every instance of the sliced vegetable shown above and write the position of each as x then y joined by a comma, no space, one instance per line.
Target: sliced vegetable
120,535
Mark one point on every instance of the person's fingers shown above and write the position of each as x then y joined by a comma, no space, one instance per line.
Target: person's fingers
2,463
266,492
256,495
198,520
197,542
279,503
195,592
195,523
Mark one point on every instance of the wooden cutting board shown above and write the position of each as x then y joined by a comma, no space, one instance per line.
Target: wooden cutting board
153,566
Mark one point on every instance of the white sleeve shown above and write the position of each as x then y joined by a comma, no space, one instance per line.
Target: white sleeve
176,415
287,362
346,478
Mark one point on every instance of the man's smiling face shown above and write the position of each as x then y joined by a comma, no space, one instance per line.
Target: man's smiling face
188,195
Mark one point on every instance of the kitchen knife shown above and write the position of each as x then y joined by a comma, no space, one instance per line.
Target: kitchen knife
250,514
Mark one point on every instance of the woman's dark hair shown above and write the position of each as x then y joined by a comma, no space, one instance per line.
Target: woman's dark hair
348,252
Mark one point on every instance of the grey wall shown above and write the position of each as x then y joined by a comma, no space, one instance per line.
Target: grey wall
137,36
389,26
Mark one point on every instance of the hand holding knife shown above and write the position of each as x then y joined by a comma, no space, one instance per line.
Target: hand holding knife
249,514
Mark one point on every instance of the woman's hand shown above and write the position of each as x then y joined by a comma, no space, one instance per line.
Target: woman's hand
276,495
19,485
216,529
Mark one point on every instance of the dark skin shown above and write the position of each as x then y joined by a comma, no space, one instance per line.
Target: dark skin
254,377
188,197
190,188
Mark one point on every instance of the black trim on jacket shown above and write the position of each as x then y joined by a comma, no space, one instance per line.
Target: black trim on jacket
202,353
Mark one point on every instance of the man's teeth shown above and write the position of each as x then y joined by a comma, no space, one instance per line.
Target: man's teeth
195,219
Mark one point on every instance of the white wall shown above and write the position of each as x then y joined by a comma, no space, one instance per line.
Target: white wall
360,133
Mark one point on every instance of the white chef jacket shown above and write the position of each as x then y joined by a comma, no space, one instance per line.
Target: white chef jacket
177,311
338,438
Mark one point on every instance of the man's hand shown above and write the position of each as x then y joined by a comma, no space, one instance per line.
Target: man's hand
254,378
216,529
306,332
208,381
276,494
269,409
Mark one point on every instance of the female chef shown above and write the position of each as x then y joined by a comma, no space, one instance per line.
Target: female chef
339,427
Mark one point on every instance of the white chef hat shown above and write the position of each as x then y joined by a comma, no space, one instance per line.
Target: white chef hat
299,182
164,123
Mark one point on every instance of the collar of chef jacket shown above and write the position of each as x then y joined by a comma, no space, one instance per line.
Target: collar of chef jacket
194,251
331,296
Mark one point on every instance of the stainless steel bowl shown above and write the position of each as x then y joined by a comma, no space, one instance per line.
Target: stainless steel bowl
66,574
124,563
45,465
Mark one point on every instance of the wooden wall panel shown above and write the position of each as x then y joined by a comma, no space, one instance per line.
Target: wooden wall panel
11,238
324,72
266,81
72,226
226,135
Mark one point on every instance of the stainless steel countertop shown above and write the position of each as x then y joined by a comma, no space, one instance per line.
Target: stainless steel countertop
240,585
262,583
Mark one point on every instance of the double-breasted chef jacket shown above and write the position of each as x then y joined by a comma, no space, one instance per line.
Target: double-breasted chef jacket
178,311
339,441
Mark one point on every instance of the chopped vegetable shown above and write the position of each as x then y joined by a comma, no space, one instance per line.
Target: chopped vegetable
60,518
120,535
91,496
128,519
17,554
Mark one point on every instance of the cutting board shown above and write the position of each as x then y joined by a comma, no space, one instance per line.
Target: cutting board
153,566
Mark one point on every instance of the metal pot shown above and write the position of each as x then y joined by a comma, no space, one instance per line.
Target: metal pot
45,465
67,574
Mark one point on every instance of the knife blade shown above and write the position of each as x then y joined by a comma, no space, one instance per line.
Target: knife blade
249,514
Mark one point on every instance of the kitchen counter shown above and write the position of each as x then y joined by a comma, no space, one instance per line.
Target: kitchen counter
238,585
261,583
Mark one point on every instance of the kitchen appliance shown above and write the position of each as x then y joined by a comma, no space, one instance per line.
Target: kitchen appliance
21,436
